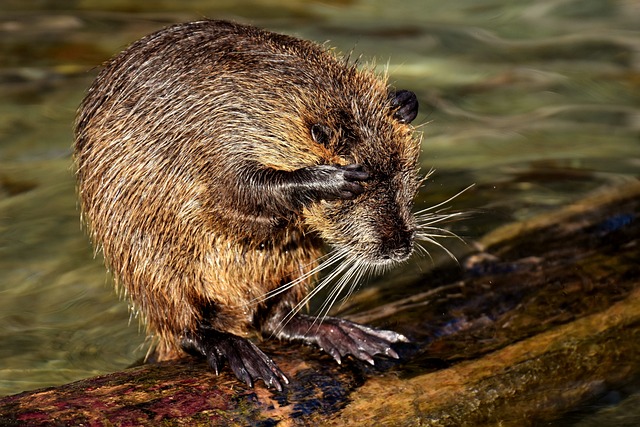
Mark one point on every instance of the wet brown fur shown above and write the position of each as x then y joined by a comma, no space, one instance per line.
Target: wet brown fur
166,142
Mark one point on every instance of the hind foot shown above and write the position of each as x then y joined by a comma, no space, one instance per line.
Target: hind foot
246,360
340,337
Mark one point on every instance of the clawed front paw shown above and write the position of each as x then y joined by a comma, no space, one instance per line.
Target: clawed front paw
246,360
339,182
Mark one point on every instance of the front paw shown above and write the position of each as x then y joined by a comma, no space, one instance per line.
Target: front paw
246,360
334,182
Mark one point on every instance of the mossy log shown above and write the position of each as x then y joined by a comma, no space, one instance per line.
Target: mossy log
542,319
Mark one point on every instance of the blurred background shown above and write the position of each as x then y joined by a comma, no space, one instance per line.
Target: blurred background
537,103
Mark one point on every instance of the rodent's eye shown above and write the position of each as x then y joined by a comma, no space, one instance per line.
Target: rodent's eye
321,133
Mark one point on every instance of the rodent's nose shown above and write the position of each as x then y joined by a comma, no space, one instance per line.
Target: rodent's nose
399,246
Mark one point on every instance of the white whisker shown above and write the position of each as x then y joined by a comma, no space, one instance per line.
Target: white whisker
434,232
338,273
429,218
354,269
339,256
333,296
429,239
443,202
329,259
359,270
424,250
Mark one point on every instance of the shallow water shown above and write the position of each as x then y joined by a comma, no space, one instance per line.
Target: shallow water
537,103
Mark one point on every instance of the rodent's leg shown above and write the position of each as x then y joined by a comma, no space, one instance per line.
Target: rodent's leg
330,182
405,105
340,337
246,360
297,188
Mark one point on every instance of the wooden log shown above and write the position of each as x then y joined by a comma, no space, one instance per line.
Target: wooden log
526,382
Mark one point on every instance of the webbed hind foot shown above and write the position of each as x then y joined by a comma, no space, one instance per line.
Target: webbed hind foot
340,337
246,360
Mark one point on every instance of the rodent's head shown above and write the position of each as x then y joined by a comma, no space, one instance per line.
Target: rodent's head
369,128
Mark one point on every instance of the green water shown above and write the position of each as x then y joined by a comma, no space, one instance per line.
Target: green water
537,103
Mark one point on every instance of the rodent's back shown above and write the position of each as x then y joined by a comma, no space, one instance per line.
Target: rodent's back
189,77
218,99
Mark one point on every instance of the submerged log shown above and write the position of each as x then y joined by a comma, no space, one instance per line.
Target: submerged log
545,317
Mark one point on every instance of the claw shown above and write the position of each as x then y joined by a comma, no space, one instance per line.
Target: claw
391,353
333,182
246,360
339,337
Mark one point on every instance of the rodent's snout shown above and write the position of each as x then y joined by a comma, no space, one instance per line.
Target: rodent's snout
398,246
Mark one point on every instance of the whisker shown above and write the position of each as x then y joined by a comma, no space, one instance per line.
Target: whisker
353,272
437,232
333,295
429,239
360,269
329,259
424,250
443,202
429,218
339,256
341,274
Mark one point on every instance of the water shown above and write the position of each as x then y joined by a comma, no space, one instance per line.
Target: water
537,103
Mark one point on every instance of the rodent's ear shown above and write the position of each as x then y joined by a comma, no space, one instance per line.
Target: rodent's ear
320,133
404,105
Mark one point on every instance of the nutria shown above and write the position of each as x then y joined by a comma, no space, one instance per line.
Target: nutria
215,160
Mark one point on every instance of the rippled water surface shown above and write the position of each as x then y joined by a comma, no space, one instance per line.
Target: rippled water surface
537,103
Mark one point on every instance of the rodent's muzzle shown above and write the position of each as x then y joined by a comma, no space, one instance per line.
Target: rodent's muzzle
397,246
